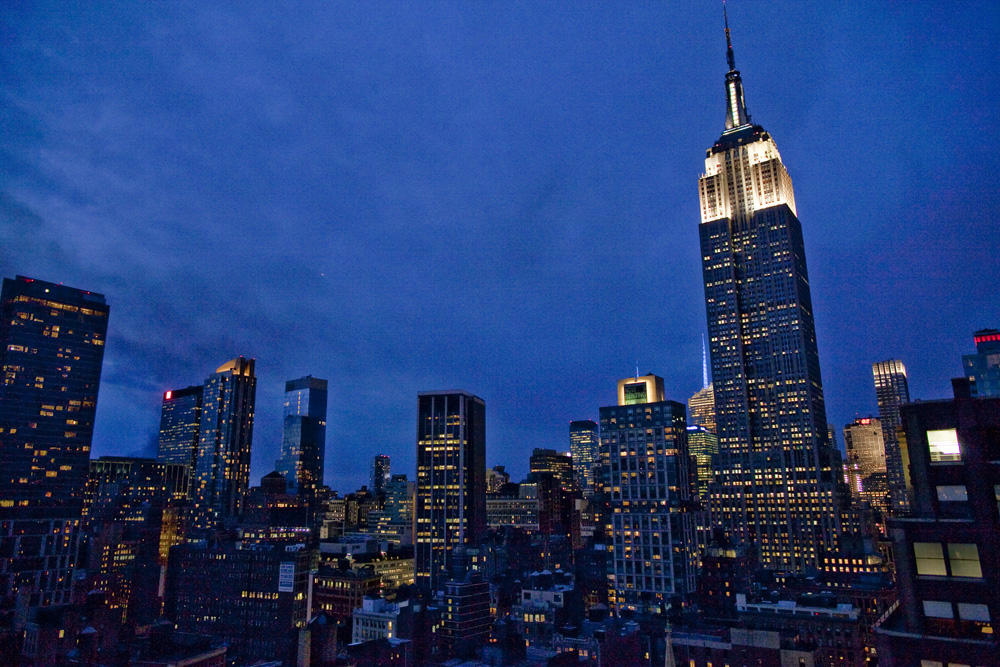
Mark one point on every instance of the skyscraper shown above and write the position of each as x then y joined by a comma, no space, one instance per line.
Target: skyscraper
866,462
584,443
180,425
51,350
892,392
654,547
303,441
451,480
380,473
983,368
701,408
222,469
777,474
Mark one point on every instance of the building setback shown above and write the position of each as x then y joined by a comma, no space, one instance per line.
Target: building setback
451,480
778,475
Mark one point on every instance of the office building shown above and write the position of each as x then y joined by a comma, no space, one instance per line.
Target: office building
557,464
51,350
947,549
180,426
394,522
654,548
982,369
465,621
584,445
451,480
222,468
863,439
704,447
252,597
892,392
496,477
778,476
303,440
380,474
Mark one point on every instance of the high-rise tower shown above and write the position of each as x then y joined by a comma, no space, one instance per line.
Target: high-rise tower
777,475
51,350
303,441
584,444
451,480
892,390
381,473
180,425
644,439
222,468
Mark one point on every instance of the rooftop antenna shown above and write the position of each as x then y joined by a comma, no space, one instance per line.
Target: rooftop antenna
704,364
637,370
730,58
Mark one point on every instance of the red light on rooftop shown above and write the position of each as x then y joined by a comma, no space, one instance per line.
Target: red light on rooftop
866,420
986,338
167,395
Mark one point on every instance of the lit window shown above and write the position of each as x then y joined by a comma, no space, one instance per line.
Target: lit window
943,445
930,558
964,560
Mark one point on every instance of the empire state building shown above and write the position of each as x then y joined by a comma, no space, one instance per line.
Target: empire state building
776,483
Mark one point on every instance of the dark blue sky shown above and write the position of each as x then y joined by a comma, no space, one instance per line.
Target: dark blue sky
500,197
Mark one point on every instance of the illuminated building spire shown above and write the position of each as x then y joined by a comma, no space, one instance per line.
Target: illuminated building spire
737,115
704,363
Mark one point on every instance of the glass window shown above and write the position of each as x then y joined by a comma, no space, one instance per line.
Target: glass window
938,609
952,493
964,560
931,663
930,558
944,445
968,611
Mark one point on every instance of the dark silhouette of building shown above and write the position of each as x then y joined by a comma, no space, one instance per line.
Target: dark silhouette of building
380,474
465,618
770,410
451,480
252,597
947,548
222,468
51,350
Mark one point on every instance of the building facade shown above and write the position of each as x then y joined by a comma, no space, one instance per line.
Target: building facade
947,548
451,480
584,443
892,392
701,408
303,440
180,426
51,351
222,468
777,472
982,369
654,549
380,473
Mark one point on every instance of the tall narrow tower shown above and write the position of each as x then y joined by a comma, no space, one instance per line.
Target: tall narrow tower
303,441
777,476
222,468
451,480
892,390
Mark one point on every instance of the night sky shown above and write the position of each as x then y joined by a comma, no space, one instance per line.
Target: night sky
494,196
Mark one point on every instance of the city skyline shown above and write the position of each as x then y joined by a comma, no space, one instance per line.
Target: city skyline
589,200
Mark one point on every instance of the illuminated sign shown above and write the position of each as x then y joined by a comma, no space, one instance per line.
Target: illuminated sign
635,393
167,395
286,577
